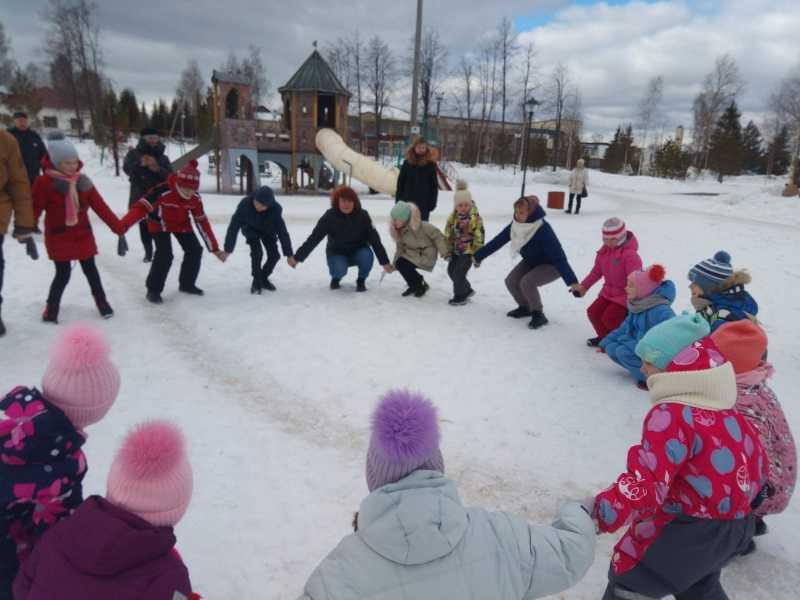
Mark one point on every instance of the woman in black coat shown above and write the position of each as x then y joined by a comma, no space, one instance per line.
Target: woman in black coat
418,181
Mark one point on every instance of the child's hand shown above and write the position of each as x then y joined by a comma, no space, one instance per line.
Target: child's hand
292,261
388,268
221,255
122,246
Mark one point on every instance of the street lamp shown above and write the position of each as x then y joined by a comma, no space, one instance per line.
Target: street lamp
531,103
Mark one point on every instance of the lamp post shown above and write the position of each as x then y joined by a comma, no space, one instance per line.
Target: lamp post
517,147
531,103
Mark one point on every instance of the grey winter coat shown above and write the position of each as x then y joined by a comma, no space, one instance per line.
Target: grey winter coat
419,242
416,540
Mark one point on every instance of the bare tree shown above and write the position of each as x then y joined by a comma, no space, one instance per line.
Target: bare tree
573,112
191,85
433,63
649,109
255,72
380,77
487,88
347,59
720,88
785,102
527,76
508,47
6,62
558,95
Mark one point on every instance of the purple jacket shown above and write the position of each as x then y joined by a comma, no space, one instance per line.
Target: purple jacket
103,552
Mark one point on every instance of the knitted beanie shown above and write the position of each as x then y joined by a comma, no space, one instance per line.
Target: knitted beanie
189,176
151,475
80,378
709,274
660,345
646,281
405,438
59,148
743,343
401,211
614,229
462,193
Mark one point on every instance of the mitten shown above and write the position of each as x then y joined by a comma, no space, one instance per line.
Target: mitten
122,246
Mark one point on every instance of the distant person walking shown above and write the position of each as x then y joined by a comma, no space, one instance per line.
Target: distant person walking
578,180
30,145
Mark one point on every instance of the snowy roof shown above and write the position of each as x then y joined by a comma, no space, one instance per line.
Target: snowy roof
229,77
315,75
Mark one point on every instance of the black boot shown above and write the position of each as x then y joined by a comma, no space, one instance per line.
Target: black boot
751,547
191,289
519,313
50,314
408,292
361,285
154,297
593,342
2,326
761,527
335,285
458,300
537,320
103,307
256,287
268,285
148,255
422,288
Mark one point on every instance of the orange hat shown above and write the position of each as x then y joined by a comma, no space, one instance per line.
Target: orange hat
743,343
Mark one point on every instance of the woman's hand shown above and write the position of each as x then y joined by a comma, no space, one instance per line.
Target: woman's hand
221,255
292,261
578,290
388,268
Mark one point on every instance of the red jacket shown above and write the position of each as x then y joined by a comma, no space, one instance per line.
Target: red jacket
169,212
698,457
76,242
614,265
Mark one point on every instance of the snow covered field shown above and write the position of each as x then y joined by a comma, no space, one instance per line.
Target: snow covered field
274,391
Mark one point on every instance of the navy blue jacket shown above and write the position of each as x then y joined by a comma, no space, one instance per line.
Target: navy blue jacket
142,178
542,249
33,150
258,225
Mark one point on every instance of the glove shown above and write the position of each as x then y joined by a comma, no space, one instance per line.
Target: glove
30,248
22,233
122,246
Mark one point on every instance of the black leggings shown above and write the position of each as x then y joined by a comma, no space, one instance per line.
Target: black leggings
578,207
409,272
61,279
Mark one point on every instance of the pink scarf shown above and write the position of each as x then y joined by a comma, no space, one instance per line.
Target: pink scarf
71,200
757,376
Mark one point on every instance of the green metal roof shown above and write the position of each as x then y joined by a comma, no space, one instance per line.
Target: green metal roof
314,76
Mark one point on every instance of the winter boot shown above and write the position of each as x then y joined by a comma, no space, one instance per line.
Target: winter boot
470,293
103,307
256,288
361,285
537,320
593,342
519,313
268,285
2,326
148,256
751,547
642,386
335,285
421,289
457,300
154,297
192,290
408,292
761,527
50,314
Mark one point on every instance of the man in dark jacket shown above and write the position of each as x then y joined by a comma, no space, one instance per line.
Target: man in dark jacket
146,166
30,145
418,181
260,218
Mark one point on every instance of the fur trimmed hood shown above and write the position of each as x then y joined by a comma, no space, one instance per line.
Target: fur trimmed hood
741,277
413,223
419,161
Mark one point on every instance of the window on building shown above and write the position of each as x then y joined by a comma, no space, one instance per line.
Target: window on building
76,125
50,122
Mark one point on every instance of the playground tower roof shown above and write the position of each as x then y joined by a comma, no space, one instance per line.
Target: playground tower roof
315,76
229,77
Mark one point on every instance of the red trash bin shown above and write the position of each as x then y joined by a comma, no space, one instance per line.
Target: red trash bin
555,200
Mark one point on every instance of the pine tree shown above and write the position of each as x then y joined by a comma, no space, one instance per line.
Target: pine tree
611,161
753,147
671,161
779,157
726,152
129,110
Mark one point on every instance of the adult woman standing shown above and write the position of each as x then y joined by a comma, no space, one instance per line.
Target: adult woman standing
578,180
418,181
543,259
350,234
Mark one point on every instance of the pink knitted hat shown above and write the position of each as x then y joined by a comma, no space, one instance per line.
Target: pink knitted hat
151,475
648,280
80,378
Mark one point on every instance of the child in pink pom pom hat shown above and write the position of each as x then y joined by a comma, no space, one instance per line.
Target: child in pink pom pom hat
121,546
42,465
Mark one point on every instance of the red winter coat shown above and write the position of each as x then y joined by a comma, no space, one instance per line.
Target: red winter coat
698,457
76,242
170,213
614,265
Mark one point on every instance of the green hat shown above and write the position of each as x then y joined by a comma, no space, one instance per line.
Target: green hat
663,342
401,211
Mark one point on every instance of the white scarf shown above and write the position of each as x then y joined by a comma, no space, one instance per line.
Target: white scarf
521,234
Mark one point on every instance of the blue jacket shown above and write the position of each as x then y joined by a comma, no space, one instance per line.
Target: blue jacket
636,325
268,224
734,304
542,249
416,540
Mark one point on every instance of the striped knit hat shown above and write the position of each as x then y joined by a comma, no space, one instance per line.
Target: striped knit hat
189,176
614,229
711,273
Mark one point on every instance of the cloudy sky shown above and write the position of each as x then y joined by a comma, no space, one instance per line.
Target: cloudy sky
611,48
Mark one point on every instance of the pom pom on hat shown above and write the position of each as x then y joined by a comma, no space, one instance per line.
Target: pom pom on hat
462,193
723,257
461,184
151,475
647,281
80,378
405,438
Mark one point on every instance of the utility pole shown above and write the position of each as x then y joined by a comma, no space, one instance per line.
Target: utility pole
415,84
532,103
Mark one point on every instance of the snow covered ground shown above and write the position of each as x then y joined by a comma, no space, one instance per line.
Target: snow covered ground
274,391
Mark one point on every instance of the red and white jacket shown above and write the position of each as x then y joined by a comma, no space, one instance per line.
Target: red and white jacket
167,211
698,457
